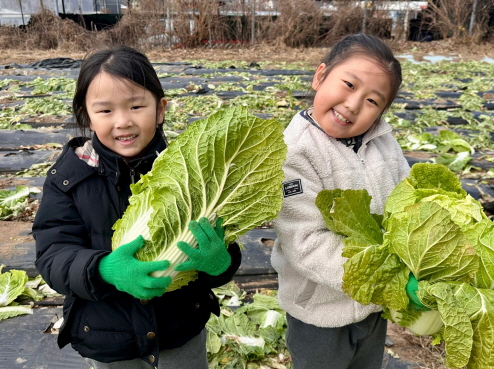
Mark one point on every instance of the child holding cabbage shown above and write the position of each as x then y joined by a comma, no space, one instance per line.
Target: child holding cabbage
340,142
115,314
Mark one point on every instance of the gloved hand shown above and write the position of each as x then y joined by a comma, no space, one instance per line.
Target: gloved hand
127,274
211,255
412,288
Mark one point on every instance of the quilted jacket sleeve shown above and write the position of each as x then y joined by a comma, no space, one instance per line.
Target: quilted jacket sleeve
63,254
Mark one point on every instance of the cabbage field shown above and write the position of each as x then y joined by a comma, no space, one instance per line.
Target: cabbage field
444,113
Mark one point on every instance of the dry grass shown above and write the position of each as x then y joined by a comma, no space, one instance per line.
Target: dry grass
309,57
451,18
300,24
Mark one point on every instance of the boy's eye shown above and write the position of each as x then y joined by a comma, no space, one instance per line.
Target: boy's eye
348,84
136,107
372,102
105,111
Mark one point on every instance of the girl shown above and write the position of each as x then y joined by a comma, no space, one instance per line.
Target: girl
115,313
340,142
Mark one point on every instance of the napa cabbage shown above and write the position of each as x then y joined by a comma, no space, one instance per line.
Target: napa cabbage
12,285
433,229
228,165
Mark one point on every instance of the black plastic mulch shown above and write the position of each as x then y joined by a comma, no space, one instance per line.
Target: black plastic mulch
53,63
24,345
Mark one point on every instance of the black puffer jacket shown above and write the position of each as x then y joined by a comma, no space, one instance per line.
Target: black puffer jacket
73,232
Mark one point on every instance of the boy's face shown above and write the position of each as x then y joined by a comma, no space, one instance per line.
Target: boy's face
123,114
351,98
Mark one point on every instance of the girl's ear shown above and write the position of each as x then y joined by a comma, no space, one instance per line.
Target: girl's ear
318,76
161,111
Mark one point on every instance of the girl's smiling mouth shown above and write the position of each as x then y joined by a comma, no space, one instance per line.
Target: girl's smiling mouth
340,118
126,140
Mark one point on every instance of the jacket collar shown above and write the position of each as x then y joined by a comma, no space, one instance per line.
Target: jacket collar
69,169
379,128
114,165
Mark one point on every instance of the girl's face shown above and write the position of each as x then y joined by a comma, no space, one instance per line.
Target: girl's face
123,114
351,98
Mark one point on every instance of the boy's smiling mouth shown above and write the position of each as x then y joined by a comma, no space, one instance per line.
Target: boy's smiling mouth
341,117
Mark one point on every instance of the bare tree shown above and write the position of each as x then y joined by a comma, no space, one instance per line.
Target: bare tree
452,17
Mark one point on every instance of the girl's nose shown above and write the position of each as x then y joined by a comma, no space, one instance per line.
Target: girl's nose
352,103
123,120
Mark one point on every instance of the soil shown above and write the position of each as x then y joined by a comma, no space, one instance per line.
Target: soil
414,349
11,230
11,182
46,119
262,52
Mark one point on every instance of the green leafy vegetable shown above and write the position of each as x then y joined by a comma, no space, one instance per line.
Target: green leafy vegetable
11,286
13,203
455,162
449,140
250,336
432,228
14,310
227,166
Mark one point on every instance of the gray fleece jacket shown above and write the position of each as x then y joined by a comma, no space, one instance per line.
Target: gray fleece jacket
306,255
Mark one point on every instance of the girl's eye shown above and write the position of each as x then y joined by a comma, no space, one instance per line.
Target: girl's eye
349,84
372,102
136,107
105,111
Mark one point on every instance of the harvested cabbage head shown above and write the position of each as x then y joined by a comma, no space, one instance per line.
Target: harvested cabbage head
418,322
433,229
228,166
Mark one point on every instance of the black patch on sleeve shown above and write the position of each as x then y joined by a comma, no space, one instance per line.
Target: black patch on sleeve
292,188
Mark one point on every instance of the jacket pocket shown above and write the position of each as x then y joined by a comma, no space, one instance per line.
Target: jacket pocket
183,313
102,345
104,331
305,293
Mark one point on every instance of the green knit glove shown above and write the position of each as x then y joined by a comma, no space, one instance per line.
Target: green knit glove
127,274
211,255
412,288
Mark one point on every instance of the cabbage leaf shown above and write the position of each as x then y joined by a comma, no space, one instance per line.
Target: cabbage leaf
433,229
228,166
12,285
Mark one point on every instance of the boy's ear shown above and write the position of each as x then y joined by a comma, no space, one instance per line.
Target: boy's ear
161,111
318,76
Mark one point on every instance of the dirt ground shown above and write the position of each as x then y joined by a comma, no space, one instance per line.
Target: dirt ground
11,230
413,349
262,52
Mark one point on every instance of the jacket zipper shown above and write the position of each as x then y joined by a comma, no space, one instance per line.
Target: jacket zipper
372,182
362,160
132,171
